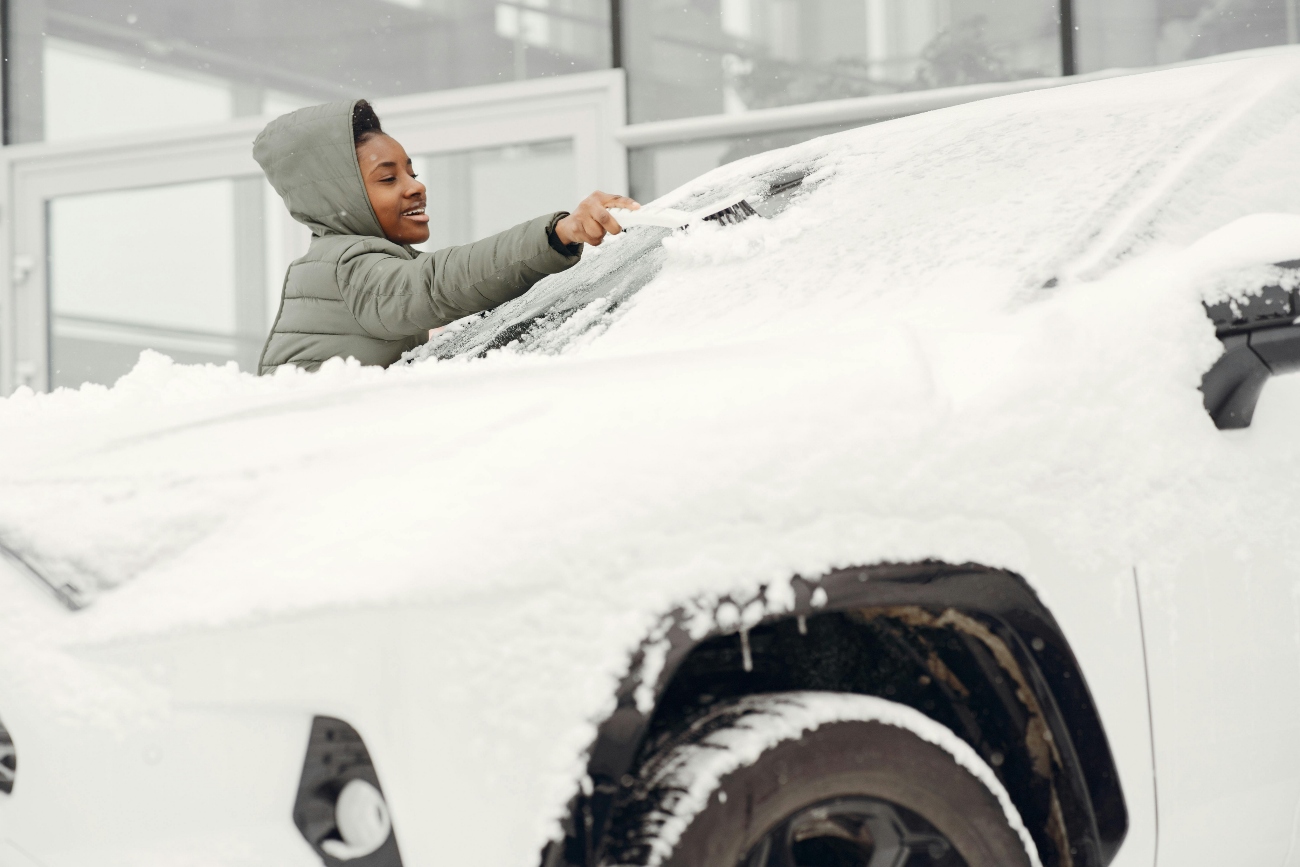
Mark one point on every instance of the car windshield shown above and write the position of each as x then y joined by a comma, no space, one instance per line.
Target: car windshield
582,302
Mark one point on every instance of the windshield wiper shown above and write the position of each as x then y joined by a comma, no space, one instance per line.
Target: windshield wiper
69,596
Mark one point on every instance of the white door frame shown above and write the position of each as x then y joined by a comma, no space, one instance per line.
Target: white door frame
588,108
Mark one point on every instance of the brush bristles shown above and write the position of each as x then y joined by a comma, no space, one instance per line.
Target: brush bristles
742,210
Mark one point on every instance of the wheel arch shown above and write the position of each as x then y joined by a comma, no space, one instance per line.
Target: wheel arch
970,646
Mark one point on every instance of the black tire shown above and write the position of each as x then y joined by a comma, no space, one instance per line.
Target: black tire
807,798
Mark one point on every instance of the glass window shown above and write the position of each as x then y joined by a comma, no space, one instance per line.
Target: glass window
473,194
124,276
713,56
96,67
89,92
1144,32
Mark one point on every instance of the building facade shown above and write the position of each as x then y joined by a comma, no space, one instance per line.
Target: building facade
128,123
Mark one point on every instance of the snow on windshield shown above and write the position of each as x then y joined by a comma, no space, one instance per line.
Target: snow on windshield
1000,199
933,222
575,307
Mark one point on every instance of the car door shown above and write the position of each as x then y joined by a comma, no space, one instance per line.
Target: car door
1222,623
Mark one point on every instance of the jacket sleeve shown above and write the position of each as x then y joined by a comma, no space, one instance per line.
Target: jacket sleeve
393,297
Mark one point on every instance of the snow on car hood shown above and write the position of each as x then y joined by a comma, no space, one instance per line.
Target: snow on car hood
978,217
980,328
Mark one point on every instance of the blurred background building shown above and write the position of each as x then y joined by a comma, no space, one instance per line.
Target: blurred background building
135,218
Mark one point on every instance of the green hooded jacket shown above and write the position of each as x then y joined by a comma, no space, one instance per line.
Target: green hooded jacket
356,293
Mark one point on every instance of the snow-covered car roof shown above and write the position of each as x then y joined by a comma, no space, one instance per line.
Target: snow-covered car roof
979,317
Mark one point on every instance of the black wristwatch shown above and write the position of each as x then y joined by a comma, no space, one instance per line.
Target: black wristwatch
556,244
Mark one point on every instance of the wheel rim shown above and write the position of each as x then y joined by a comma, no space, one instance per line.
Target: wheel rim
853,832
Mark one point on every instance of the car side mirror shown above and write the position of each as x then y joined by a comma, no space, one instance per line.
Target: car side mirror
1261,338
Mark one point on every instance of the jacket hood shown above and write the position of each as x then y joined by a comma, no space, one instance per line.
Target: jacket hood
310,160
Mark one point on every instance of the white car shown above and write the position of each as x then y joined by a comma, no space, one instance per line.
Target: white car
944,512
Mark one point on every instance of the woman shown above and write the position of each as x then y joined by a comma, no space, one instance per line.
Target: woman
361,291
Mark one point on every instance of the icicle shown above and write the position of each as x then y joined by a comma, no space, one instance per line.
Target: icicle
803,625
746,657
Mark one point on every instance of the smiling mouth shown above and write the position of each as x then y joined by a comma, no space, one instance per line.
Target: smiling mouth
417,211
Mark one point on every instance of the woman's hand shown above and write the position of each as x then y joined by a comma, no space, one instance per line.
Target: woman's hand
591,221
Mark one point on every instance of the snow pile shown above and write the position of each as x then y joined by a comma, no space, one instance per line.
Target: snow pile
978,338
71,528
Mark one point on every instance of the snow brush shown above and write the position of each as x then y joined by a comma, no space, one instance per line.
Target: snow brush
727,212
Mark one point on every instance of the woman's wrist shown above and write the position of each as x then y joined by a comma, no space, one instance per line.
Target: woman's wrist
556,240
562,232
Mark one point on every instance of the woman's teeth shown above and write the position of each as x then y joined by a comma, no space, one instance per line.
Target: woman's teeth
413,212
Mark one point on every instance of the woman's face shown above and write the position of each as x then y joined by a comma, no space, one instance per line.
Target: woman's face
397,197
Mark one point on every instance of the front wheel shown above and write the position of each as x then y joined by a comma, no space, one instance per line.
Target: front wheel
817,779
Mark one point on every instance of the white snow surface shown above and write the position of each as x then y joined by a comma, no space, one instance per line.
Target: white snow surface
879,373
698,769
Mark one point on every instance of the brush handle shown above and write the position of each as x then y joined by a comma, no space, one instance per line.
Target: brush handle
666,218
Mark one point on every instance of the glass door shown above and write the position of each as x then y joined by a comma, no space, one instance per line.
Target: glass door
165,268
